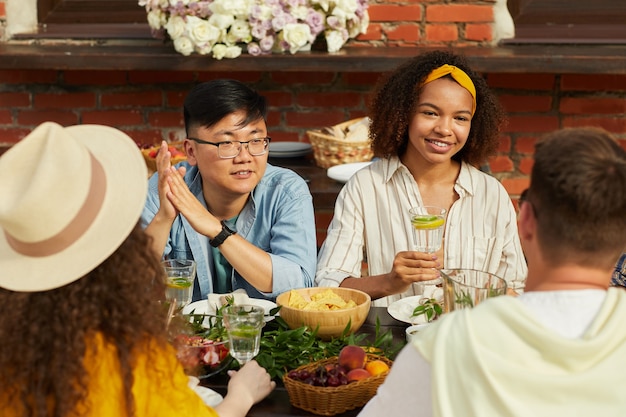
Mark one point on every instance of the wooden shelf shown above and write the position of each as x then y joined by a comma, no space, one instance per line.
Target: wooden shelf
152,54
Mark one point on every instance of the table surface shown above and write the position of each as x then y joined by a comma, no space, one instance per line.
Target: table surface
277,403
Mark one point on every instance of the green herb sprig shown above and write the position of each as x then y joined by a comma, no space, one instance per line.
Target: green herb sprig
429,307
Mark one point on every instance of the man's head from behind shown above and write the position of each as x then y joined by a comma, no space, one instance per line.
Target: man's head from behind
578,197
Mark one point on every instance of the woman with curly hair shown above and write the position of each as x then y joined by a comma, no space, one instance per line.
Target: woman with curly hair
82,327
433,121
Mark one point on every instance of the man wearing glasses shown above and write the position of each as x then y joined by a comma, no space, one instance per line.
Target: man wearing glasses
247,224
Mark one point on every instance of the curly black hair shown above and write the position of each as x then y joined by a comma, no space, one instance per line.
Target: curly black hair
395,100
45,334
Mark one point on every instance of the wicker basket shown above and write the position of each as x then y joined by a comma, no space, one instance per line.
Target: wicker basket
329,150
328,401
151,162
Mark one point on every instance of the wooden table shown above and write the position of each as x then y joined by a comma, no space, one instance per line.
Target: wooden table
277,403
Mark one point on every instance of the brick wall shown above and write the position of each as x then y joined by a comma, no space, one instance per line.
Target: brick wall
433,22
147,105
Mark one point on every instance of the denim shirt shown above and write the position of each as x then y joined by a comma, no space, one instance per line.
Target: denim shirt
278,218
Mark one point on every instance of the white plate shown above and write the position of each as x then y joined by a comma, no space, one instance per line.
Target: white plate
289,149
342,173
203,307
210,397
403,308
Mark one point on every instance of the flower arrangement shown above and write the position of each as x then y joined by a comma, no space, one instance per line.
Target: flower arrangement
223,27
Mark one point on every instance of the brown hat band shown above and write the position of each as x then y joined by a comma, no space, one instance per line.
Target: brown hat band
75,228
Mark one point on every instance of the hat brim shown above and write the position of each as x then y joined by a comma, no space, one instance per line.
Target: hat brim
126,188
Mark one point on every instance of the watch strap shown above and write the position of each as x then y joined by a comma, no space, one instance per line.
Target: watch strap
222,236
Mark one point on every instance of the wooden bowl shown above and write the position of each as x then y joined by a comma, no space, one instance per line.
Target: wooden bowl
331,323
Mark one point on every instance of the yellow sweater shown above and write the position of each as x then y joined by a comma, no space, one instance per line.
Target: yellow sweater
496,360
165,395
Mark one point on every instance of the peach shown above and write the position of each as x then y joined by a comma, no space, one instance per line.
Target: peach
352,357
357,374
376,367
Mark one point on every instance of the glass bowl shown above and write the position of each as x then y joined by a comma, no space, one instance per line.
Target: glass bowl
202,357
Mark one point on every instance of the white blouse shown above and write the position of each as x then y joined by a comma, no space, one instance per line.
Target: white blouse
371,224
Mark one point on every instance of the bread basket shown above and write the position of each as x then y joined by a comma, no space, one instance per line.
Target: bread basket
330,150
328,401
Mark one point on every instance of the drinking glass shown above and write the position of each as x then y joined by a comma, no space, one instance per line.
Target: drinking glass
466,288
180,276
427,223
243,323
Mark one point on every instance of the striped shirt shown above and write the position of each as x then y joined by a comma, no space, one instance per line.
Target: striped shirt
371,223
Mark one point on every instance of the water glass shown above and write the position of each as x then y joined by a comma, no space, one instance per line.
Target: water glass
180,277
466,288
427,224
244,323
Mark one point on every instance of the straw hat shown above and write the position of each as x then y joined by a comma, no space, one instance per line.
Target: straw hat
69,198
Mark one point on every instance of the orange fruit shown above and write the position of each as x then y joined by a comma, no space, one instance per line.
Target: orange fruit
376,367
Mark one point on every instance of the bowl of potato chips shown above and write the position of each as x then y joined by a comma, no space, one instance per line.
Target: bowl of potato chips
329,310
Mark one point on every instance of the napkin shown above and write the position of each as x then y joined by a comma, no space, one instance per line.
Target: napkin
217,300
209,397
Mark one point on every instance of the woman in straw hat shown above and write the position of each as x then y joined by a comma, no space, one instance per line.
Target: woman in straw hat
80,287
434,120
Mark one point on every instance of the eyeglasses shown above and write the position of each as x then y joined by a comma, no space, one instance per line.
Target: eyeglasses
230,149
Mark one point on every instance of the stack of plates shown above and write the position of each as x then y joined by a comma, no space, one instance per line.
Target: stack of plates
289,149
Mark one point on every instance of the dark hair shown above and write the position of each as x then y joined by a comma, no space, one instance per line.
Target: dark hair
209,102
578,193
45,334
395,100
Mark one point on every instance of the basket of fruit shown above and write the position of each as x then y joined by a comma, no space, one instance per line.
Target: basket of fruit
150,153
338,384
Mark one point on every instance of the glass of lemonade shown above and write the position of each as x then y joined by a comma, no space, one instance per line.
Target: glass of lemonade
427,223
180,276
244,323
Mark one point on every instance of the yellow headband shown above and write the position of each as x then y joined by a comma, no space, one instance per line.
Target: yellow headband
459,76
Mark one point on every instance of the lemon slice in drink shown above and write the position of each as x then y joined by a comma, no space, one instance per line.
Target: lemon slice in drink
178,283
427,221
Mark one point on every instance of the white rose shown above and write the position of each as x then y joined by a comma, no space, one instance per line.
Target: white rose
183,45
299,12
156,19
347,6
201,31
232,52
231,7
221,21
261,12
297,35
365,21
219,51
175,27
204,49
334,40
240,31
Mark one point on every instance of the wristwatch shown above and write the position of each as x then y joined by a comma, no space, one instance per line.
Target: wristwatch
222,236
